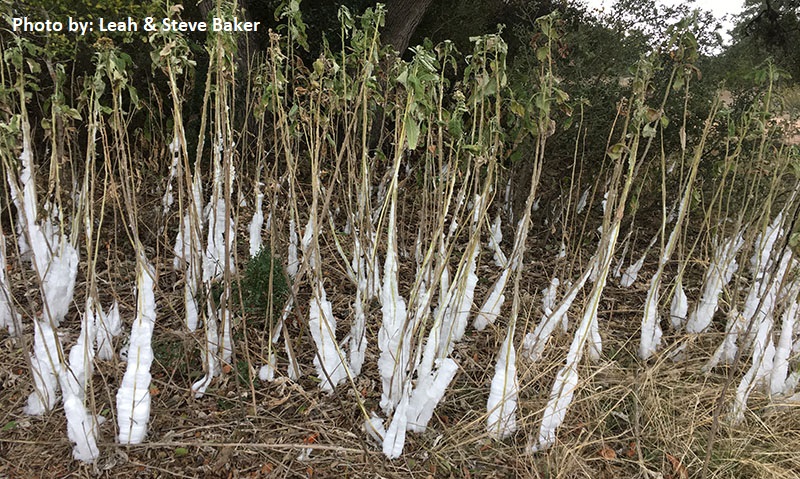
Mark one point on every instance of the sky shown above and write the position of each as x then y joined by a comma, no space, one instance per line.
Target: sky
719,8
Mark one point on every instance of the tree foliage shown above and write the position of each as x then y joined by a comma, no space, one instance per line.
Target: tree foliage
765,29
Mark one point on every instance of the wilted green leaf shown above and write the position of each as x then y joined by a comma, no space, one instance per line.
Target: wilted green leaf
616,151
412,133
561,95
454,126
517,108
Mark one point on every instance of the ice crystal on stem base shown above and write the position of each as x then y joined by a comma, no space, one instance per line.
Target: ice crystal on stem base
133,396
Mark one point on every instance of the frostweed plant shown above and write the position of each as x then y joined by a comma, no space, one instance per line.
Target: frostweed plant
174,60
387,186
53,257
625,156
718,275
133,396
502,404
686,47
8,316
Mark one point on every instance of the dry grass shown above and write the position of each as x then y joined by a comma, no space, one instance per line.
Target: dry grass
628,419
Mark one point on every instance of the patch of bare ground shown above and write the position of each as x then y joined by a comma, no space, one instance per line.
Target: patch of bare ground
791,131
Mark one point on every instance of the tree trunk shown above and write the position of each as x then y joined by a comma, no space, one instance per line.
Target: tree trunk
402,18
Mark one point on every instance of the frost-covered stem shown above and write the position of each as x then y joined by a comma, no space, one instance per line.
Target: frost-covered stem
495,238
763,355
23,194
174,148
109,326
46,365
103,327
456,298
783,350
358,337
501,421
626,243
73,378
760,156
293,261
727,350
81,429
535,342
501,406
257,223
188,243
490,310
133,396
361,270
566,380
194,264
433,375
190,231
217,261
763,346
760,263
226,152
718,275
8,316
81,425
549,295
679,306
632,271
329,361
53,256
55,263
651,328
394,333
395,435
211,273
455,317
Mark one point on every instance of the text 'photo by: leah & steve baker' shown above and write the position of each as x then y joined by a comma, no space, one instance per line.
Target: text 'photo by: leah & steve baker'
130,24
